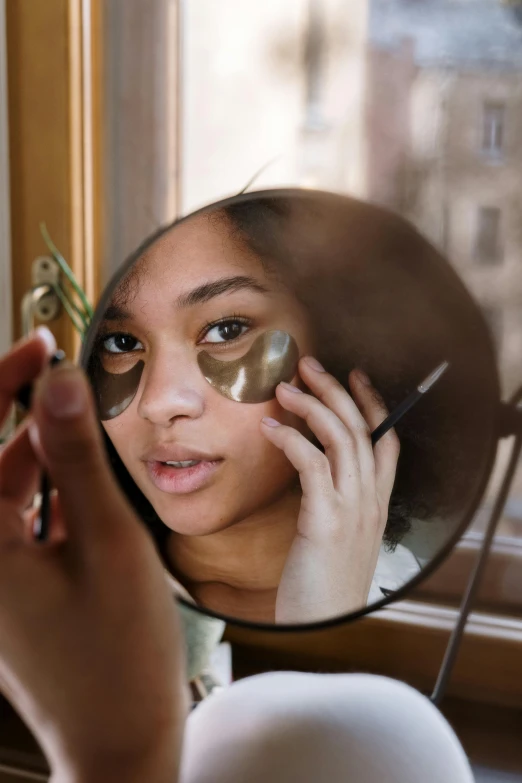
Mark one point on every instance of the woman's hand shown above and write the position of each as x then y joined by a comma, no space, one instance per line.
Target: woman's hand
346,492
90,650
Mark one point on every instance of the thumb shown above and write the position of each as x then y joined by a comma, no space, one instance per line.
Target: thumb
72,447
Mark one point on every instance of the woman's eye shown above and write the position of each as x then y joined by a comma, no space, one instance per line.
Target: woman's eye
225,331
121,343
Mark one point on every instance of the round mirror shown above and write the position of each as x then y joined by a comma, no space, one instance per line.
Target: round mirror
253,468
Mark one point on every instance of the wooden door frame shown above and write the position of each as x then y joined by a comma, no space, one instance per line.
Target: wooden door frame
54,98
6,326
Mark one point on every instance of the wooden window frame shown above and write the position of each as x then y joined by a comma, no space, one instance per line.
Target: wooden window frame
405,640
6,287
55,143
5,213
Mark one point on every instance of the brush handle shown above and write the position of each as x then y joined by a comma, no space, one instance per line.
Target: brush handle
24,395
41,526
395,415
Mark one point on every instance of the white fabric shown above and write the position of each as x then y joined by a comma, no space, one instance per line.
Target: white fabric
393,570
320,728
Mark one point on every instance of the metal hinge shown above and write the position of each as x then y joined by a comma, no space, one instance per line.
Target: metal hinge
42,303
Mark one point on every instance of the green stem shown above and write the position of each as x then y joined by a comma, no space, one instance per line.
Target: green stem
69,310
60,260
79,311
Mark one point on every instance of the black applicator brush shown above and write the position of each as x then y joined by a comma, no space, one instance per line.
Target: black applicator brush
409,402
41,526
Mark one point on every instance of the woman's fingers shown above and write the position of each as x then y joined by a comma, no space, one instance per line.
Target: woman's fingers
331,393
343,426
22,365
337,441
69,434
313,466
19,470
334,396
386,451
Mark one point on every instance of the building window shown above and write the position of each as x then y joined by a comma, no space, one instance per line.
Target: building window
487,244
493,316
493,120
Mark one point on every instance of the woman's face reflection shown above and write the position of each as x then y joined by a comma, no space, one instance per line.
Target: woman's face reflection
199,288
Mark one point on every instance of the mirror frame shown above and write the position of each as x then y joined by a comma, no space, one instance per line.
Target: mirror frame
445,550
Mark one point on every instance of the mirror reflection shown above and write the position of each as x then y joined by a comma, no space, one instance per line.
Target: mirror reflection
240,361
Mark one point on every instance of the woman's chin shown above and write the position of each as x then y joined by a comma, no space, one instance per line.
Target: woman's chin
193,527
199,521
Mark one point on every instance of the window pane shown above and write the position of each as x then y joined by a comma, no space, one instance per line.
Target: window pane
390,102
493,127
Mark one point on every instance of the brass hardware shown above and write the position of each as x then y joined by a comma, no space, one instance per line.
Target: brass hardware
41,303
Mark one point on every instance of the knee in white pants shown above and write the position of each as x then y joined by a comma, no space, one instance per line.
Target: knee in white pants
286,726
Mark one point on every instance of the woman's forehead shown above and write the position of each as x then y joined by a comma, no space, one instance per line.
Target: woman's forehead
200,244
197,251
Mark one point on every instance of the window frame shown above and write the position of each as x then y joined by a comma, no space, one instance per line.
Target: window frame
6,287
6,328
54,147
406,641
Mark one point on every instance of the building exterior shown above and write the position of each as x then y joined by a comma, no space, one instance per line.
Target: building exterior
444,118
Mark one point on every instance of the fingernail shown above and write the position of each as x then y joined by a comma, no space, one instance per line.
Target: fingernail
34,437
47,337
314,364
63,393
363,377
290,387
270,422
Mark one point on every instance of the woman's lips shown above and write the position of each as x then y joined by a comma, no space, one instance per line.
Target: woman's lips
178,481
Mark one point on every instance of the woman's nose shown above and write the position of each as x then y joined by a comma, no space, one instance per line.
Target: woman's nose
170,393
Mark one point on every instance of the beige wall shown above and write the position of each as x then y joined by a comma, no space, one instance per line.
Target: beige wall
140,123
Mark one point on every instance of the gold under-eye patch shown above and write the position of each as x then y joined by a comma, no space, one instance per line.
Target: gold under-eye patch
253,378
116,391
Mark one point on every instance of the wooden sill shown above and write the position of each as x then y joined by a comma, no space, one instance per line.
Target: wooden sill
501,587
405,641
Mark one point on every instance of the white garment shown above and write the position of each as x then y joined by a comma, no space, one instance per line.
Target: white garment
393,570
320,728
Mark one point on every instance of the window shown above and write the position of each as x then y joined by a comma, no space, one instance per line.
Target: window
487,244
493,121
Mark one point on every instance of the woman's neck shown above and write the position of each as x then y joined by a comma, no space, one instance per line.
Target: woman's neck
237,571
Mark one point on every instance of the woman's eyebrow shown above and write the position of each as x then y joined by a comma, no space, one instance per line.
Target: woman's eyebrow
116,312
224,285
